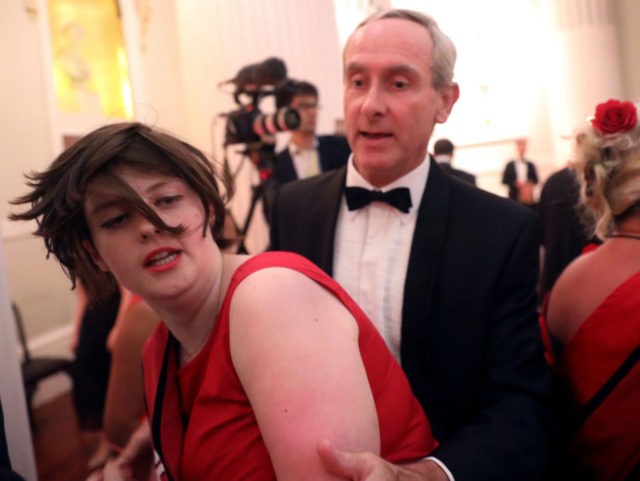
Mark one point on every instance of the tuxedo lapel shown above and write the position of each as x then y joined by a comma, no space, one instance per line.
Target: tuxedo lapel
323,220
426,251
284,170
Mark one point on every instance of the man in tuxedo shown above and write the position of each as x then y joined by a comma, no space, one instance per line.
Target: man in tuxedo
520,176
307,154
447,274
443,155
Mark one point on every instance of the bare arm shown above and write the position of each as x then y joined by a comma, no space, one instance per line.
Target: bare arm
81,306
295,349
125,393
135,463
125,301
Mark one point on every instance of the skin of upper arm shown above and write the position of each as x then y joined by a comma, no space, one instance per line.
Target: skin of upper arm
567,296
295,349
125,392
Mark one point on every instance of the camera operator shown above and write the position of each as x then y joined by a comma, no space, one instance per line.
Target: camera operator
307,153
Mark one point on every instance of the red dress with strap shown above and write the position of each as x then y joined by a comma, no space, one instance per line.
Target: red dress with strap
202,422
607,443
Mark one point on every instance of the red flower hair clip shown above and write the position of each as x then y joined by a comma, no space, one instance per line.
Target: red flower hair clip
615,117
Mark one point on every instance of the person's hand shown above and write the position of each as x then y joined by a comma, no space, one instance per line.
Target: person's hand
365,466
525,192
135,462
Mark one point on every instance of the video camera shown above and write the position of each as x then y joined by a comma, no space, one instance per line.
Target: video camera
248,125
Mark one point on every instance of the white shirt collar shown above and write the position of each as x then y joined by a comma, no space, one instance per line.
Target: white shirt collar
295,150
443,158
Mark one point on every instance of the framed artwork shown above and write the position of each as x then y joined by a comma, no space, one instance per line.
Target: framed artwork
90,67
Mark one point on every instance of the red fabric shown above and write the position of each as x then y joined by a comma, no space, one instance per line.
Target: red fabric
609,441
222,439
591,246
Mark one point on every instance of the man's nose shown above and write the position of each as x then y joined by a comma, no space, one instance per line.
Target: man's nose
374,102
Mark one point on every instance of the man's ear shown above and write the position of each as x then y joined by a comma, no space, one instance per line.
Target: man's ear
95,256
448,96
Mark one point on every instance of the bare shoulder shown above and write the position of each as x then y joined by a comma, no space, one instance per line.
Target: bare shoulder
278,296
572,297
585,284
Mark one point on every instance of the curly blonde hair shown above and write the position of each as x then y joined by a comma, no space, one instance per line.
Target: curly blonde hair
608,166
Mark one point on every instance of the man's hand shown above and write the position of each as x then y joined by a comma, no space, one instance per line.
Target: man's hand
364,466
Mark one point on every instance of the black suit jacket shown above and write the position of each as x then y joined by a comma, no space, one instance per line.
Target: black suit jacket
509,177
333,153
461,174
470,343
563,233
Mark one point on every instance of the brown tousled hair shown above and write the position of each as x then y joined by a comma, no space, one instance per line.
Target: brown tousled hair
58,193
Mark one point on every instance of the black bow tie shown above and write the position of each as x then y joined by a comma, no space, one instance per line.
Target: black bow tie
358,197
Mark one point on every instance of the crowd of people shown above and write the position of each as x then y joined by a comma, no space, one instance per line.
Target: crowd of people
392,331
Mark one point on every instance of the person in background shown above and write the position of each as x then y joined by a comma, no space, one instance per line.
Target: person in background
124,407
446,271
307,153
257,357
521,176
443,154
563,224
93,322
592,324
124,410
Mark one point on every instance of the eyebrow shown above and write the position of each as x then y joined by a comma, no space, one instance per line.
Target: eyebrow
354,67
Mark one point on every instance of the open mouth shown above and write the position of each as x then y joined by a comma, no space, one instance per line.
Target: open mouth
375,135
161,258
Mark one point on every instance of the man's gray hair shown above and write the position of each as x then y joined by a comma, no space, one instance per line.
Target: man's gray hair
443,58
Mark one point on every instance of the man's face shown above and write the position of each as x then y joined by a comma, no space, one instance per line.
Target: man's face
307,107
521,147
390,106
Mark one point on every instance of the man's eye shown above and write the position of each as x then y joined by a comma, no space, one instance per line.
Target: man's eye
114,221
399,84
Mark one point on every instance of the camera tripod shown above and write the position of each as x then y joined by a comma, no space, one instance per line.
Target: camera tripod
263,159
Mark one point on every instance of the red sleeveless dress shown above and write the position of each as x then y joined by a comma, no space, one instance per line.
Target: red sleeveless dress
607,443
202,423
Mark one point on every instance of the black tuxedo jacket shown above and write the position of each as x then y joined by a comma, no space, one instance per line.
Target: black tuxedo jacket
470,343
461,174
509,177
333,153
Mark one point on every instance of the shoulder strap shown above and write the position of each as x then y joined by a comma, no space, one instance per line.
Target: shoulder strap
608,387
156,423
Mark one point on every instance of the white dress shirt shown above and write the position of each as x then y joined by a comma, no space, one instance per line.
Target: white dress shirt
521,170
306,162
371,256
371,252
